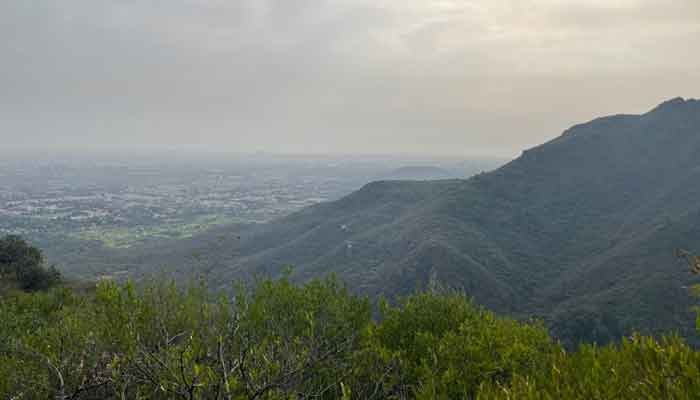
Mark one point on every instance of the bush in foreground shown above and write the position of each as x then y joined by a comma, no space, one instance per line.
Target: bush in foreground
277,340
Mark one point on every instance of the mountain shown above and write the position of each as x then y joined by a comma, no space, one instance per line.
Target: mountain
580,231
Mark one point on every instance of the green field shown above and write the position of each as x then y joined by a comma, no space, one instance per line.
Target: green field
125,237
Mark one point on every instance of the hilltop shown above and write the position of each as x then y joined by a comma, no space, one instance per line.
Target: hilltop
419,173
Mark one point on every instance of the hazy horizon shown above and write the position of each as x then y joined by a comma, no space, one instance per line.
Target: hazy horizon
339,77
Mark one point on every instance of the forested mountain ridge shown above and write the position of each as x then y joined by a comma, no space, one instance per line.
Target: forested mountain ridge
580,230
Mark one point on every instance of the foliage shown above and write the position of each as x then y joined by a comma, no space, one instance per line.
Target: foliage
446,347
277,340
160,342
637,368
24,264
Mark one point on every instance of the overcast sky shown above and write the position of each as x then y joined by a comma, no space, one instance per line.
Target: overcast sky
341,76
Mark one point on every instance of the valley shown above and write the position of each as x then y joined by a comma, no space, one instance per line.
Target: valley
87,213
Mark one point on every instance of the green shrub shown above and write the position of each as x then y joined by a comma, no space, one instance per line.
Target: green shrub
447,347
277,340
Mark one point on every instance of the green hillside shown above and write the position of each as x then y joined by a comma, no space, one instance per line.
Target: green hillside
580,230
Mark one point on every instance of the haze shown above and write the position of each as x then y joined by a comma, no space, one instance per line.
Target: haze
335,76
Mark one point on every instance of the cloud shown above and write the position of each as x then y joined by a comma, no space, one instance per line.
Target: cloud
334,75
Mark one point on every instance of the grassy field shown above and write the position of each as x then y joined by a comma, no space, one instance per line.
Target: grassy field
125,237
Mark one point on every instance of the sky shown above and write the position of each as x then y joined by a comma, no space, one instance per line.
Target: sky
470,77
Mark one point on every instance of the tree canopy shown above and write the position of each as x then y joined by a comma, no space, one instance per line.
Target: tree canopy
24,264
277,340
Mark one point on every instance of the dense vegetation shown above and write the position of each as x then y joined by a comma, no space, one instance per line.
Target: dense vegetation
22,265
276,340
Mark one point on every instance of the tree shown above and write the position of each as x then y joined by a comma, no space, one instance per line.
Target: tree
25,264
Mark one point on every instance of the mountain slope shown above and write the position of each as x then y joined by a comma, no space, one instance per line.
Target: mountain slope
580,230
